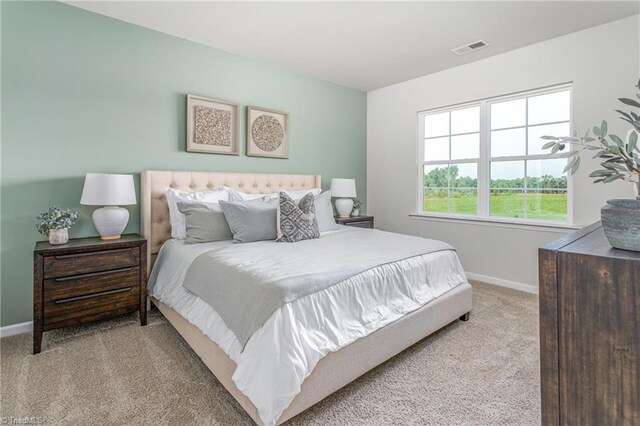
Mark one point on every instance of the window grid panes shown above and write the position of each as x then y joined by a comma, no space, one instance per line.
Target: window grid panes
451,148
486,159
519,187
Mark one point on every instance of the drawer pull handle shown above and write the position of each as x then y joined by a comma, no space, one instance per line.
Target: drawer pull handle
92,274
91,296
93,253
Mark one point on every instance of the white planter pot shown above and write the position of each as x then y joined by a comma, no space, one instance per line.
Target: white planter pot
58,236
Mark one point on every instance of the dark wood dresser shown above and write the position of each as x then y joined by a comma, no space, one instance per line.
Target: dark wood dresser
589,331
357,221
86,280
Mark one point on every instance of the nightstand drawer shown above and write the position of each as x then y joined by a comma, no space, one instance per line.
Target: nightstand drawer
356,221
93,261
87,279
364,224
92,282
63,310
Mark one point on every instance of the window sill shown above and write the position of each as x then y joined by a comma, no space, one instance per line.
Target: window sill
561,228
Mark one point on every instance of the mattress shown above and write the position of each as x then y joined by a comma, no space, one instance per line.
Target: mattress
281,354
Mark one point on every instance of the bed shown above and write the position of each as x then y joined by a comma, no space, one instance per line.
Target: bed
332,367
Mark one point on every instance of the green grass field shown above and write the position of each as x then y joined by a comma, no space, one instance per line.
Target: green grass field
539,206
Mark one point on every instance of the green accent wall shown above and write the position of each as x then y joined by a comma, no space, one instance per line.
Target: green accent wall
85,93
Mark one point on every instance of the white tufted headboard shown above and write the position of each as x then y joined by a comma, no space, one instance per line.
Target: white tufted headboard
154,213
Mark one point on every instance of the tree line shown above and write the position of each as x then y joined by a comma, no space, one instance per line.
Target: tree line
443,177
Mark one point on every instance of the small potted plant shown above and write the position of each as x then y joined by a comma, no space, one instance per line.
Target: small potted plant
620,161
357,205
55,224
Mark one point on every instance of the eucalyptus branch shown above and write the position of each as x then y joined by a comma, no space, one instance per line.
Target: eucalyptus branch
620,159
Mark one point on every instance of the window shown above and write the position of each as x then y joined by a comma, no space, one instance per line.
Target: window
451,156
485,159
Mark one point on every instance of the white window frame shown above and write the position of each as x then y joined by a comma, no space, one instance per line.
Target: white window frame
484,162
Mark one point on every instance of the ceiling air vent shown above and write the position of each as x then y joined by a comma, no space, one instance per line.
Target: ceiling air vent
470,47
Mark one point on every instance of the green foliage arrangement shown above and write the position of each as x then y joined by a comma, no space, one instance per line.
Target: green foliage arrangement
621,159
357,204
55,218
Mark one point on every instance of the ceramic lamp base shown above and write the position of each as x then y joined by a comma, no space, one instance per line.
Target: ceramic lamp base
344,206
110,221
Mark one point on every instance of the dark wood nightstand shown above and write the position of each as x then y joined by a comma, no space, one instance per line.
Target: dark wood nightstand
357,221
86,280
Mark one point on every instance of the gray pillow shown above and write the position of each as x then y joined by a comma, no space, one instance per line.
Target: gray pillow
253,220
324,212
297,222
204,222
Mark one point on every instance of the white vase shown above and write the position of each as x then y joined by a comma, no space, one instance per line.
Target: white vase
58,236
110,221
344,206
355,212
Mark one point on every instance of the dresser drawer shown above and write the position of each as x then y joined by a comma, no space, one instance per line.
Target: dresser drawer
87,305
92,282
93,261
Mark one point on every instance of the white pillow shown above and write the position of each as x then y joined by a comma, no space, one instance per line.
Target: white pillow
297,195
324,212
174,196
243,196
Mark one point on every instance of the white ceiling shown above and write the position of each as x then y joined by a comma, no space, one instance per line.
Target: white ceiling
364,45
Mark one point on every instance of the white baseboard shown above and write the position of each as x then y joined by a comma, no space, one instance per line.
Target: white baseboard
503,283
12,330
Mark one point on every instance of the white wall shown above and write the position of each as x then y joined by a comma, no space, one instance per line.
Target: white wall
602,62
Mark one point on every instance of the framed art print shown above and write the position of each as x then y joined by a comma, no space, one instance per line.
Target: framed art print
267,133
212,126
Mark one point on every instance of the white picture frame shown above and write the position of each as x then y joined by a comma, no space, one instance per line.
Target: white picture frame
212,126
267,133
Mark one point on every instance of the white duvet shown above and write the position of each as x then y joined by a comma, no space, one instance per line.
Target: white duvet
281,354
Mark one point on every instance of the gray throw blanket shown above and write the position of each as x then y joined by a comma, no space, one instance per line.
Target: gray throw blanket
246,283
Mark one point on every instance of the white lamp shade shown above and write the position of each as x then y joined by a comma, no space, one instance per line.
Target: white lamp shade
102,189
343,188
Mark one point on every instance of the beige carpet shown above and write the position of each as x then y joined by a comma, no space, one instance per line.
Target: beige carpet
481,372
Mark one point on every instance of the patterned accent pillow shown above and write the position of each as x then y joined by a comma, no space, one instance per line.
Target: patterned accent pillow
297,221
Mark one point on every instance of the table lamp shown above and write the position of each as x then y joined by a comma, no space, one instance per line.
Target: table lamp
110,191
343,188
